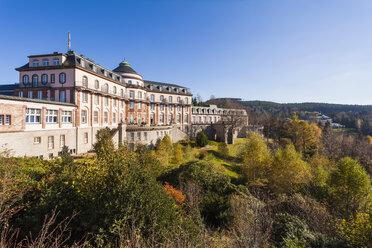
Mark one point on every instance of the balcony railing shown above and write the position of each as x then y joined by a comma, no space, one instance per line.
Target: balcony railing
35,85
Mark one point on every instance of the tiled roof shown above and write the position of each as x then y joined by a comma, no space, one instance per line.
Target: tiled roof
165,87
125,67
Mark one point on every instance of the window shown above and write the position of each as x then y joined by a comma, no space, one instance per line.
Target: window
45,62
131,105
121,117
187,118
96,84
37,140
62,96
114,117
7,119
95,117
161,107
30,94
139,118
179,108
152,98
96,99
186,108
56,61
115,103
170,107
44,79
83,116
161,98
130,82
178,99
51,116
162,118
20,94
106,101
131,118
62,141
85,138
35,63
66,116
122,104
122,93
145,135
50,142
132,136
52,78
170,99
85,82
115,90
40,94
139,94
105,88
187,100
131,94
152,106
25,80
1,119
138,136
62,78
35,80
139,105
105,117
85,97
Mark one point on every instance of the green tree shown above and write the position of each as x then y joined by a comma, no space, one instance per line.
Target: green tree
177,156
349,187
201,139
287,171
104,145
256,159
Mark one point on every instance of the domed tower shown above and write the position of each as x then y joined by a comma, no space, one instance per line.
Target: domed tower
127,71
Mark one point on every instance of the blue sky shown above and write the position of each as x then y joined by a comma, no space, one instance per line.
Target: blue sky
283,51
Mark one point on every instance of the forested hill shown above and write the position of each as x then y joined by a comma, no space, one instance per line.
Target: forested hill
325,108
352,116
273,107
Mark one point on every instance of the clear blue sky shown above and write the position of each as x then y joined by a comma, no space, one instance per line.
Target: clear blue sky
284,51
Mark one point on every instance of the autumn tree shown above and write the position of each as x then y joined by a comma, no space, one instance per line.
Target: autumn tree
287,171
256,159
305,137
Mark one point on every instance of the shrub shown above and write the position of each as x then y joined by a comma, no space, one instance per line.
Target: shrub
223,150
201,139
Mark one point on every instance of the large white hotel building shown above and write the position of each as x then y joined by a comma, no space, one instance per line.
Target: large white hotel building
63,99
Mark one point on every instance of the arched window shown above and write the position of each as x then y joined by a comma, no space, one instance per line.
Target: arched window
170,99
152,98
35,63
45,62
44,79
62,78
25,80
56,61
114,89
85,82
96,84
130,82
122,93
187,100
105,88
35,80
161,98
178,99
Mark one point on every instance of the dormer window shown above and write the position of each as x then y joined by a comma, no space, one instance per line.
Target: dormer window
177,90
169,89
45,62
56,61
151,87
160,88
35,63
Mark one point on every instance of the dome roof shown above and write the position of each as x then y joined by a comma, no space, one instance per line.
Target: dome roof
124,67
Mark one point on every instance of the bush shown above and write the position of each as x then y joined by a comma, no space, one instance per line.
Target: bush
223,150
201,139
